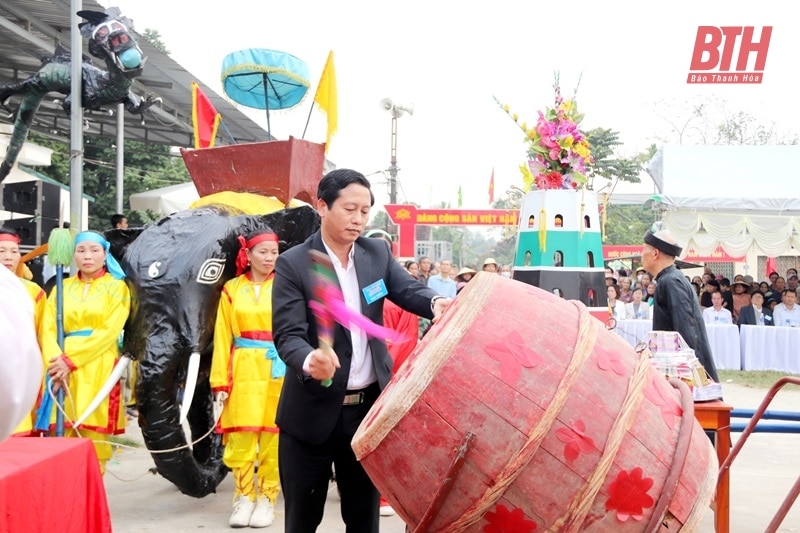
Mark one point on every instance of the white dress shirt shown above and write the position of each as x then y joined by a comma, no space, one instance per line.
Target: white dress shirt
644,312
362,372
712,316
784,317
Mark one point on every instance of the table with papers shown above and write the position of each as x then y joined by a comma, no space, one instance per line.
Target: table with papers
723,338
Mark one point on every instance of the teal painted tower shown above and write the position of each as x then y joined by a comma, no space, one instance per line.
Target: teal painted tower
559,245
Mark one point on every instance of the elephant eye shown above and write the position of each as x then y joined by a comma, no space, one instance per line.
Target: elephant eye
211,271
155,270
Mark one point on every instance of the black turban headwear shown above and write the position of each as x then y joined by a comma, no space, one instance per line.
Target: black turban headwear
659,244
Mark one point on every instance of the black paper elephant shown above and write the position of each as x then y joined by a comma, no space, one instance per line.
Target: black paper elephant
176,268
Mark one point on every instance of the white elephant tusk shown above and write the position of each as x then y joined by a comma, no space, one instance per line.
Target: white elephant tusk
105,390
191,384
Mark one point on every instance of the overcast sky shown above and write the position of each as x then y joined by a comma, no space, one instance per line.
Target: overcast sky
450,59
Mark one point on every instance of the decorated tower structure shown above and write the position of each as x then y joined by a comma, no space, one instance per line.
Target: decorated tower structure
559,243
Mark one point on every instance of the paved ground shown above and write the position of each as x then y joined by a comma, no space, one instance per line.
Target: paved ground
761,477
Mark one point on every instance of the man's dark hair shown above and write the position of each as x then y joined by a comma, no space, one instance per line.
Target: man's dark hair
784,292
336,180
116,219
713,283
724,282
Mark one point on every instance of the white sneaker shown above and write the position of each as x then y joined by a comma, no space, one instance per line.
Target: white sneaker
264,515
242,511
386,509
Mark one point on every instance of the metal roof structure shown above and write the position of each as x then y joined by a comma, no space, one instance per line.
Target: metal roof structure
30,30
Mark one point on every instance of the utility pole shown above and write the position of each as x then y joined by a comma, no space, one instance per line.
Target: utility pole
397,111
393,162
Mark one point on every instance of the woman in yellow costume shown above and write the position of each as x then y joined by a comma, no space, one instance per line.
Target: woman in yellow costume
247,375
10,258
96,306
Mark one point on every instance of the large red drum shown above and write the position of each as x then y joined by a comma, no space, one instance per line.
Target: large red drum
520,412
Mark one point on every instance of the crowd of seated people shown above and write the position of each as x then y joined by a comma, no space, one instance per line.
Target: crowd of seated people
772,302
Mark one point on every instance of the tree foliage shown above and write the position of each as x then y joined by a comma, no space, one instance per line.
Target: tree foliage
607,163
147,166
710,121
627,224
153,37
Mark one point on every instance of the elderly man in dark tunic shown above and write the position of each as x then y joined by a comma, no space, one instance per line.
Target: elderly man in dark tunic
676,307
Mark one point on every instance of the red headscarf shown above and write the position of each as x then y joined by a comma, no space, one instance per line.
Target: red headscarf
241,258
9,237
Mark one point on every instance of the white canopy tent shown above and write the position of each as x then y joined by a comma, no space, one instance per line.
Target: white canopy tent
166,200
720,196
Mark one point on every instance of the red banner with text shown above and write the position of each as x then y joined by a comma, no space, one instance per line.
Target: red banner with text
407,217
624,251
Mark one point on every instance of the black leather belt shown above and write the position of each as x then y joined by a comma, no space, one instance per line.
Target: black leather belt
353,398
357,397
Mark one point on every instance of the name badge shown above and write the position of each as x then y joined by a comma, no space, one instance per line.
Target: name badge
375,291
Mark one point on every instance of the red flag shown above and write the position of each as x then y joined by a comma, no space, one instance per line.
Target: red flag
205,119
772,265
491,188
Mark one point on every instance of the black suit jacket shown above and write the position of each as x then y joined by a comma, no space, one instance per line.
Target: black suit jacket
306,410
747,315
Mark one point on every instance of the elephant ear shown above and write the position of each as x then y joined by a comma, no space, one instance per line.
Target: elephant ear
292,225
120,239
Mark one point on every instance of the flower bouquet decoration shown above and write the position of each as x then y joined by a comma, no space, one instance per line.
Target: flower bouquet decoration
558,152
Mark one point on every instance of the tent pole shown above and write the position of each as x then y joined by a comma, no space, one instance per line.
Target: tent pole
266,105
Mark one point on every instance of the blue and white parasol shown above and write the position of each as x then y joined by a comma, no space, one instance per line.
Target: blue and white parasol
264,79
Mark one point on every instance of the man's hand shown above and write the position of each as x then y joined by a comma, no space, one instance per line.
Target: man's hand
323,364
438,308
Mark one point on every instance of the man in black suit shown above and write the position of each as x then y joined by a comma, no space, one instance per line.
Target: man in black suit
317,423
756,314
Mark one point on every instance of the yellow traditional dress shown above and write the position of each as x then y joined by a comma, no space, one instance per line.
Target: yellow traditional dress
246,366
95,311
40,317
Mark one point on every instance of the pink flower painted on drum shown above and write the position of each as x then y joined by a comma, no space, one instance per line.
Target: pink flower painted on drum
628,495
667,403
576,440
607,359
504,520
512,354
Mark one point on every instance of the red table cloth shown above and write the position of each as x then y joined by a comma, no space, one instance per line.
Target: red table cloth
51,484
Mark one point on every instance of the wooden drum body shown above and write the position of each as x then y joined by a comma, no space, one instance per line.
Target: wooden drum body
520,412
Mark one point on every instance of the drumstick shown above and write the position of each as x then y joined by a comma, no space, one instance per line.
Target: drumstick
322,276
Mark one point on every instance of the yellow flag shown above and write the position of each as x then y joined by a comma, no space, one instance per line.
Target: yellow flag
327,99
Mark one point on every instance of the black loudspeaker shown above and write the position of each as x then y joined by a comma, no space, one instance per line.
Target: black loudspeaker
32,198
32,231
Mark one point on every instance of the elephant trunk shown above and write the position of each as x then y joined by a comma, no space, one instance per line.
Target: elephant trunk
196,470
